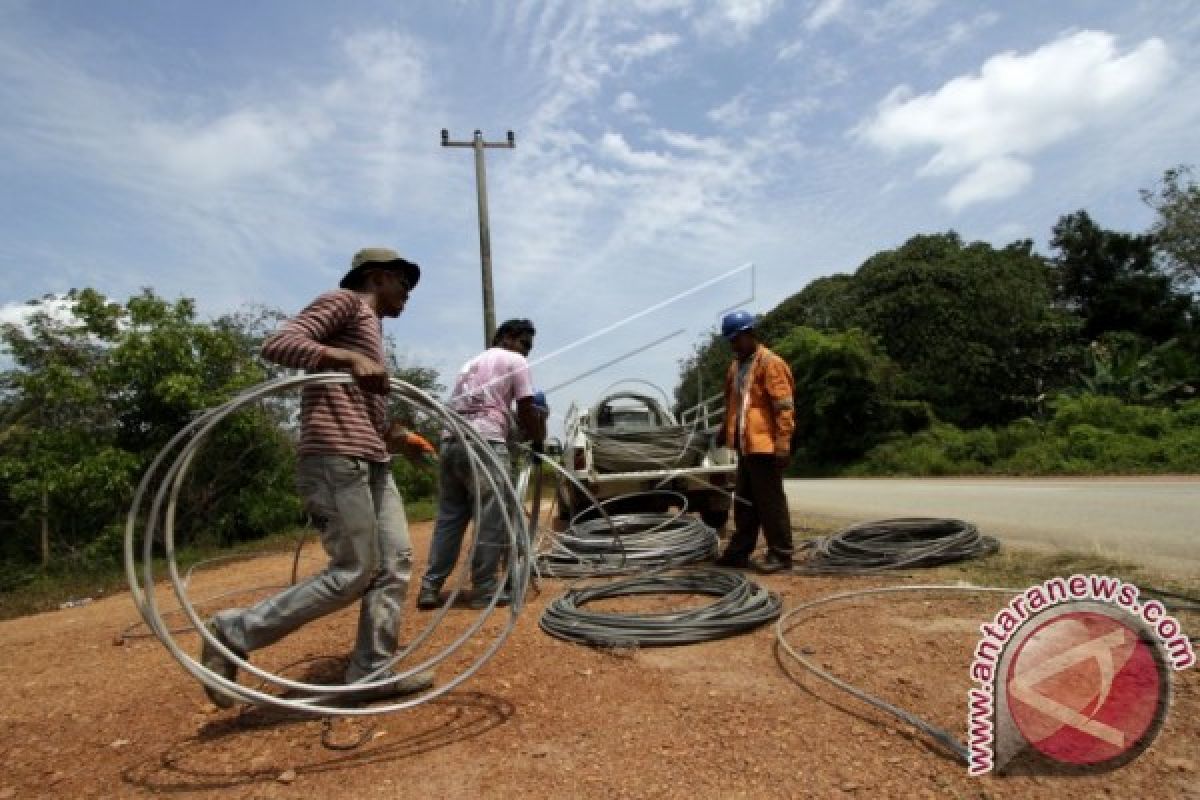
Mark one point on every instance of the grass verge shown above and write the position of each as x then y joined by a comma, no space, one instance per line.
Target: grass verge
47,591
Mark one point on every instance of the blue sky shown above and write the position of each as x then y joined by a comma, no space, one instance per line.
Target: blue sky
240,152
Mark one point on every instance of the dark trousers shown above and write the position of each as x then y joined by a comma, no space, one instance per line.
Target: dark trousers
760,501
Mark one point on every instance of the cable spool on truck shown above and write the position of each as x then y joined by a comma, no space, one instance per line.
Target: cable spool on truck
628,444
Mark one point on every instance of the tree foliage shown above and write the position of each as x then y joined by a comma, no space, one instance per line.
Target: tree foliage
1113,281
93,395
971,326
848,399
1126,366
702,374
1176,201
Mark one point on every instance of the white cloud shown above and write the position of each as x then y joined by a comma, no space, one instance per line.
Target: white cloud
993,179
732,113
823,13
955,35
646,47
659,6
226,182
615,146
790,50
1007,232
894,16
871,21
58,307
985,127
626,102
246,143
736,18
961,31
691,143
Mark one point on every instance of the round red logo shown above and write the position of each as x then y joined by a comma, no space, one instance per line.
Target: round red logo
1087,688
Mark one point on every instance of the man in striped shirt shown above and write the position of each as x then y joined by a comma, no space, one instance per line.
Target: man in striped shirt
344,477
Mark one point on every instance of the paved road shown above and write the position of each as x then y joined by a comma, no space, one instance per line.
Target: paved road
1152,520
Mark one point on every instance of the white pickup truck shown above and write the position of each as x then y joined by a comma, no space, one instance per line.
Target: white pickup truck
629,443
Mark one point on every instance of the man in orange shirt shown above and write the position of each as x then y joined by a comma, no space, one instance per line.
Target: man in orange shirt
759,420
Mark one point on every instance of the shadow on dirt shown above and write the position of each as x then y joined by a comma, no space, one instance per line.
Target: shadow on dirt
238,751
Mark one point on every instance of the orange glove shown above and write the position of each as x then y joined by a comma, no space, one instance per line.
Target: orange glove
410,443
419,444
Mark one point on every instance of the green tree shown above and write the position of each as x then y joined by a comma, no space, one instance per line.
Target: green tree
702,373
60,464
830,303
1113,282
827,304
1176,231
414,480
845,395
91,398
970,326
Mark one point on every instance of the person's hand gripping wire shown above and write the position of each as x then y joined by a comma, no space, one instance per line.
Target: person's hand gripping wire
410,444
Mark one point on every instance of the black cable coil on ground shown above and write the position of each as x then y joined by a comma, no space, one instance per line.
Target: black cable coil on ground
631,543
742,606
896,544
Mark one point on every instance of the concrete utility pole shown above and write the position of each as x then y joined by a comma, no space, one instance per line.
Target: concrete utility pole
485,241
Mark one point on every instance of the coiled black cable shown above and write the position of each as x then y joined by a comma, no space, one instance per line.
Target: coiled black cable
896,544
666,447
742,605
626,543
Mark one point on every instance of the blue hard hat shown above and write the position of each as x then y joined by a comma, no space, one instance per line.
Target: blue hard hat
539,400
736,322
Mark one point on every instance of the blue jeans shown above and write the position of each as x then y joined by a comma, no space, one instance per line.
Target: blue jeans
456,505
358,511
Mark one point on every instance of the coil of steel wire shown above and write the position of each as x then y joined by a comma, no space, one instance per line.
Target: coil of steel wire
619,544
741,605
665,447
163,482
896,544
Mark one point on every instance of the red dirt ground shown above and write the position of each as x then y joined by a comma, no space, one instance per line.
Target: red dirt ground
87,715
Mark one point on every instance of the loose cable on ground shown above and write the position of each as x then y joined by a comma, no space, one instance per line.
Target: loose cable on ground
895,544
741,605
789,621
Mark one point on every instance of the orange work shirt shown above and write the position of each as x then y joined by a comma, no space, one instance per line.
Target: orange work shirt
765,405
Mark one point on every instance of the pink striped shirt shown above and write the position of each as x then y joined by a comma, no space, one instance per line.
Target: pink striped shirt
335,420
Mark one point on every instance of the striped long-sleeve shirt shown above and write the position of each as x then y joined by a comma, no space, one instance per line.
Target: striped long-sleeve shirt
342,419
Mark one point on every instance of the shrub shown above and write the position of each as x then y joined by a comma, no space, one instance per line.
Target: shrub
1088,435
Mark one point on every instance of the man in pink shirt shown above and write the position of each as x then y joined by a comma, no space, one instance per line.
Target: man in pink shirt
487,388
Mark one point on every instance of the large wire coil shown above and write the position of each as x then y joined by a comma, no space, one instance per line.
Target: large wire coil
891,544
619,544
163,482
741,605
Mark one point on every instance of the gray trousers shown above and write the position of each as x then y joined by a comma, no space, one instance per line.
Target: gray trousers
358,511
456,505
